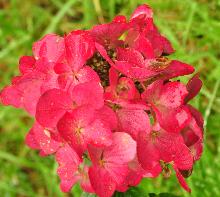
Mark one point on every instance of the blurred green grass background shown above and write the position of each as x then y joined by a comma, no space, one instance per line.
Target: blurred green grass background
193,27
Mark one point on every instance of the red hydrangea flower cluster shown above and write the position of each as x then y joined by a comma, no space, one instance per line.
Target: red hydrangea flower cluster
106,105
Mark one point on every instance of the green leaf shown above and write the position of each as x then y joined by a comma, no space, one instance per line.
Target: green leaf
162,195
132,192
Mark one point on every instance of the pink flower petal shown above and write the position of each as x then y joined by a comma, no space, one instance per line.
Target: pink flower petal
142,12
133,121
83,94
68,162
50,47
193,86
26,64
173,94
182,180
79,48
51,107
101,181
108,116
122,150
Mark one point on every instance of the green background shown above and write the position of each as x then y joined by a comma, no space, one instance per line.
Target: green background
193,27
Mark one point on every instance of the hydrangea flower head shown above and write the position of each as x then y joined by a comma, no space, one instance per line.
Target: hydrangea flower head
107,105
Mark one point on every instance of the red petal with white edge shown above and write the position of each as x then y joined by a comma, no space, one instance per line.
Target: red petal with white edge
73,127
50,47
108,116
79,48
142,12
51,107
172,94
193,86
122,150
133,121
181,180
172,120
68,161
26,64
101,181
89,93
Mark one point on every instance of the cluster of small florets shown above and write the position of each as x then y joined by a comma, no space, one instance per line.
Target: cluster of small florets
106,105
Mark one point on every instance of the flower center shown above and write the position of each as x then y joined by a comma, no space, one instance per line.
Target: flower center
101,66
78,131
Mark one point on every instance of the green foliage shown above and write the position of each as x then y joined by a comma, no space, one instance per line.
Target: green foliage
132,192
191,25
162,195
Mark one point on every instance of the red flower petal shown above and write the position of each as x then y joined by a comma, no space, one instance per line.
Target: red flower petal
80,128
175,69
51,107
41,139
101,181
193,86
108,116
182,180
172,94
147,153
122,150
50,47
79,48
119,19
133,121
173,120
11,96
83,94
26,64
99,134
142,12
108,34
68,162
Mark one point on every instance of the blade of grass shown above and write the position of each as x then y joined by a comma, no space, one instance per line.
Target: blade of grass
89,16
14,45
112,9
189,22
53,25
98,10
17,160
211,102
